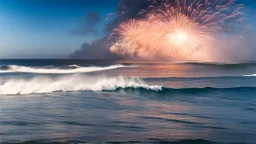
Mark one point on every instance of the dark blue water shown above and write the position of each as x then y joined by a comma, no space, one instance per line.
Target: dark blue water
77,101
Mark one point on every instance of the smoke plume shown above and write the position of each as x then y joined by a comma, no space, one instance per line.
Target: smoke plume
96,50
99,49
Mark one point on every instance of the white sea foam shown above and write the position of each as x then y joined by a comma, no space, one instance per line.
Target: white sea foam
48,84
77,69
74,66
252,75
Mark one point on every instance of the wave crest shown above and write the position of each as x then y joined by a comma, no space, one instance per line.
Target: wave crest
252,75
40,85
70,70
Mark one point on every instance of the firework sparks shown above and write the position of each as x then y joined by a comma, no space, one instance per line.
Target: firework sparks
177,37
176,28
129,38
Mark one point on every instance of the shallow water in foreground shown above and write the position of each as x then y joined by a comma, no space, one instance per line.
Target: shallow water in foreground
179,103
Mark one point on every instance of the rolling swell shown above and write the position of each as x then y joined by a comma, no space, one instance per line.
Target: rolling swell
220,64
150,141
51,70
166,90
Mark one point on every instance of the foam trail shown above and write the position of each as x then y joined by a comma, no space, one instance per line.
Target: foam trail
252,75
77,69
49,84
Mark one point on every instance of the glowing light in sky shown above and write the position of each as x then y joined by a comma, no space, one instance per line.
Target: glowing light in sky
175,28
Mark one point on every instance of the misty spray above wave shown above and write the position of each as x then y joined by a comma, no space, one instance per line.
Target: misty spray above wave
45,70
39,85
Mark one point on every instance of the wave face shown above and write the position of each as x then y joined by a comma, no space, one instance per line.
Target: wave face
72,69
39,85
186,141
189,91
209,89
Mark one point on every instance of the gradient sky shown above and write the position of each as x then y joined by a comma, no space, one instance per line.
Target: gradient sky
41,28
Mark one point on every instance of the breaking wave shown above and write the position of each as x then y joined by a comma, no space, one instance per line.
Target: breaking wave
72,83
71,69
40,85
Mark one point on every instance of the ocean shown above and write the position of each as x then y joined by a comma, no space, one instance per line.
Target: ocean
100,101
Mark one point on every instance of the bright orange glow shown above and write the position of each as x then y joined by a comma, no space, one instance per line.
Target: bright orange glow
175,29
128,42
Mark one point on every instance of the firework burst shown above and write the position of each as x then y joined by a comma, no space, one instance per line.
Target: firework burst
128,38
176,28
176,37
216,15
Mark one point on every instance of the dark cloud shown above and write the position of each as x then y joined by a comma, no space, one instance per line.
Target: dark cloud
128,9
88,25
98,49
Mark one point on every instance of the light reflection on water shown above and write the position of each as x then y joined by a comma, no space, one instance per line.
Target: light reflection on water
111,116
162,70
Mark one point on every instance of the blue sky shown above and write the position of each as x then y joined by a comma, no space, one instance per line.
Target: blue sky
41,28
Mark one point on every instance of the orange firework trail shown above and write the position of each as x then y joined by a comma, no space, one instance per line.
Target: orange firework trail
175,28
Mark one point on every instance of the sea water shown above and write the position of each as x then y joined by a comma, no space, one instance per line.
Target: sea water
98,101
